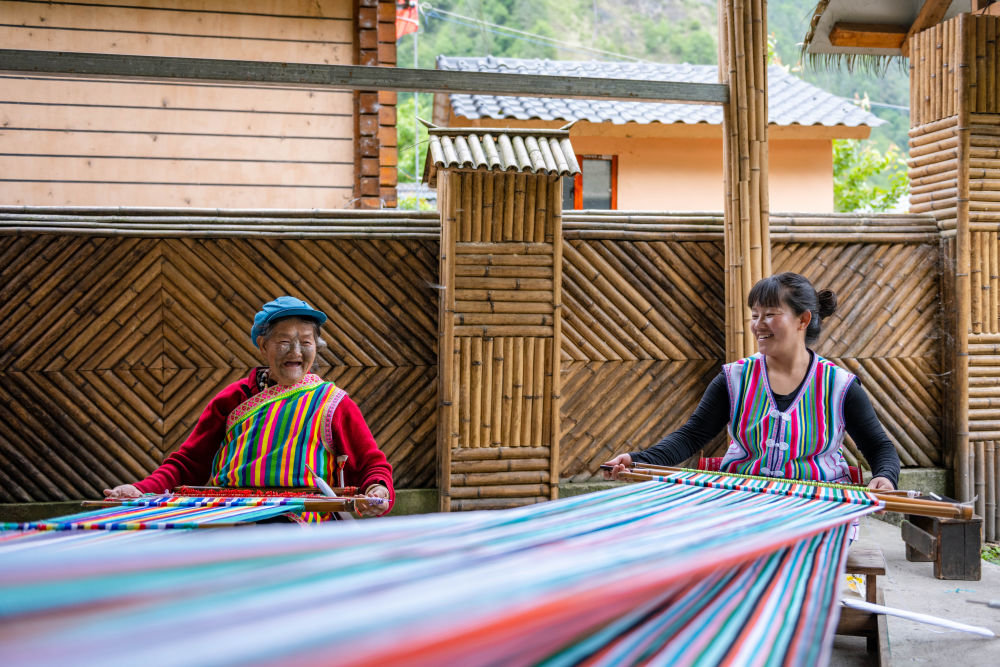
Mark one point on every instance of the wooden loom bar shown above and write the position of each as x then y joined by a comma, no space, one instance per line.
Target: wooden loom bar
892,502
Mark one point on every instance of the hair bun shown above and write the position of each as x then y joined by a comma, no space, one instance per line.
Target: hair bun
827,303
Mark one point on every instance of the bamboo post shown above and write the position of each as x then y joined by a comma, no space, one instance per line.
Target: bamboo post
446,338
963,483
553,401
742,58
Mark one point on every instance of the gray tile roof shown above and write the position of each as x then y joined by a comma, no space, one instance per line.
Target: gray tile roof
528,151
791,100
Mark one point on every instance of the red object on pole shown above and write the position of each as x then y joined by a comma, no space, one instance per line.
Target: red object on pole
406,18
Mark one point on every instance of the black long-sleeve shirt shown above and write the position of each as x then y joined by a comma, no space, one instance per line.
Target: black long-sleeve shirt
712,416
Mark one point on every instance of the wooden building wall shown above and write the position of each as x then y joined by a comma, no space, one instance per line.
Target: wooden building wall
955,176
120,328
91,141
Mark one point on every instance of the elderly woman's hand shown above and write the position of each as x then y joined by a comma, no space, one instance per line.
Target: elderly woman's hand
366,508
880,484
122,492
621,463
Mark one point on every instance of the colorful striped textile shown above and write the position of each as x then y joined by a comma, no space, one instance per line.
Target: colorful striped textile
168,511
804,441
275,436
661,572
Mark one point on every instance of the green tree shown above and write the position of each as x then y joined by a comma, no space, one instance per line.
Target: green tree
408,142
866,179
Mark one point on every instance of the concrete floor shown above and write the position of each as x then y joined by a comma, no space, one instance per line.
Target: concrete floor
912,586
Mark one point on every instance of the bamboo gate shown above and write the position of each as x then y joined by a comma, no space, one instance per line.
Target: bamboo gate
955,176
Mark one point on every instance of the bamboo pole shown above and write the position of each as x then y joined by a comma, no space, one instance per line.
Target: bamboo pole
552,401
500,454
508,208
476,399
963,483
446,339
538,464
464,390
508,391
496,420
537,395
975,282
528,391
530,190
990,505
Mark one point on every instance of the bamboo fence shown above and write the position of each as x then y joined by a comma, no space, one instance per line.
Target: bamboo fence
955,176
743,66
119,338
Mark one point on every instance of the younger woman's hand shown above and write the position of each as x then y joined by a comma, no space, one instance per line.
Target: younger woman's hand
880,484
621,463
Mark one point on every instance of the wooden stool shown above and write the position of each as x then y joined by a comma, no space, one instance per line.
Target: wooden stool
870,562
953,545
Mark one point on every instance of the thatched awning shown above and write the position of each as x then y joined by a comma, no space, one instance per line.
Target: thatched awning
871,33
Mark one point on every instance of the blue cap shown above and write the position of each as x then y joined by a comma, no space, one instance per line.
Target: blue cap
283,306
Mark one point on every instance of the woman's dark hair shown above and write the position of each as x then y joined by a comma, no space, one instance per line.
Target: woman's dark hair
797,293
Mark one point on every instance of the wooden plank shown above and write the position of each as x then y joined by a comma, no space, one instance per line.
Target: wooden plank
321,10
930,14
159,146
190,172
868,35
356,77
175,121
59,90
147,194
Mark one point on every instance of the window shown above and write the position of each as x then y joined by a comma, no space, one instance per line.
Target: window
596,187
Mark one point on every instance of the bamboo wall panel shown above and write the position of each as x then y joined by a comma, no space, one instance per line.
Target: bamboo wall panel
651,399
936,57
91,141
108,367
501,270
632,300
621,295
955,171
117,344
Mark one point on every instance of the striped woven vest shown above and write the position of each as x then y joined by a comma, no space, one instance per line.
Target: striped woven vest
273,435
801,443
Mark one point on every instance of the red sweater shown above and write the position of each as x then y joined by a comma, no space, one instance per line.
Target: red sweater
192,462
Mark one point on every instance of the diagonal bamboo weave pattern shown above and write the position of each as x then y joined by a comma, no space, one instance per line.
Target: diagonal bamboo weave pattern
103,371
515,587
117,344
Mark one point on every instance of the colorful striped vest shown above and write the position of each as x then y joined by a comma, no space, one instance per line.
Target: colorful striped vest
801,443
273,435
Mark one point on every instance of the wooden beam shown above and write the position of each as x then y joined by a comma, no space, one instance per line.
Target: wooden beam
868,35
357,77
930,15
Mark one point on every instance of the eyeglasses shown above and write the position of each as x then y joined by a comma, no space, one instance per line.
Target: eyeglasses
287,346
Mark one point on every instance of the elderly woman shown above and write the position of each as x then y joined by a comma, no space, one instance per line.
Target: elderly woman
265,429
